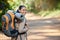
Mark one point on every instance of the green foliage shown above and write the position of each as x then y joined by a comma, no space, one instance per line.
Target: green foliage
53,13
37,6
4,6
14,4
58,6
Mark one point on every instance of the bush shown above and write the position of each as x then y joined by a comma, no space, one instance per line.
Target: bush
3,8
53,13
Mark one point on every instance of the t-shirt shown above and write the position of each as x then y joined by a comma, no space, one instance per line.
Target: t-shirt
21,26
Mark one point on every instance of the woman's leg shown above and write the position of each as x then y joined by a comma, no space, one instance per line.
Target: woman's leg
13,38
19,37
22,37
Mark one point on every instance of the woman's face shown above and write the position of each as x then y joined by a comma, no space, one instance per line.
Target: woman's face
23,10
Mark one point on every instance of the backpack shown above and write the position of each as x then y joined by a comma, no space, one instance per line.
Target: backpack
8,25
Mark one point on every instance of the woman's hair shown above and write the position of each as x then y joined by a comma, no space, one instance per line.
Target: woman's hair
21,6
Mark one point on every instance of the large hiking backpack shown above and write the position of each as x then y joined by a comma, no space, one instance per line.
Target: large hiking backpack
8,25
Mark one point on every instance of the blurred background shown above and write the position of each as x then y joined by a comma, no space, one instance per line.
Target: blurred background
47,10
44,8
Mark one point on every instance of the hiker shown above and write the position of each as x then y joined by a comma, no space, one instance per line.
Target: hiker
9,24
21,24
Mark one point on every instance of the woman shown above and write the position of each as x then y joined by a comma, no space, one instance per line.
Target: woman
21,24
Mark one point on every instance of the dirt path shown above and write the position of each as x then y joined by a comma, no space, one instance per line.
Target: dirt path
41,29
44,29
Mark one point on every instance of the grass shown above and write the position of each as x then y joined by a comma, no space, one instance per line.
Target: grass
53,13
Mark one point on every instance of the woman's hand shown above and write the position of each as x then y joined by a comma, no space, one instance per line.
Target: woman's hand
27,25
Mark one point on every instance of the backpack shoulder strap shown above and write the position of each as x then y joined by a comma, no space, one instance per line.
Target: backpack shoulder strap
7,21
12,17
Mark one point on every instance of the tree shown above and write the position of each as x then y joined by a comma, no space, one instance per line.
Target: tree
4,6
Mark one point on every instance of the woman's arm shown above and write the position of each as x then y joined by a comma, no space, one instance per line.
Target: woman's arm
25,29
26,25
